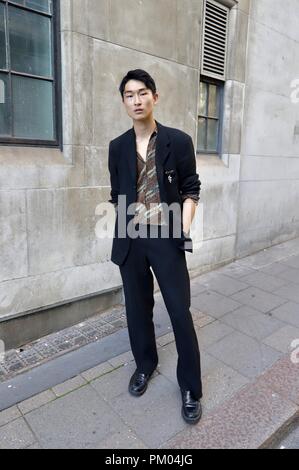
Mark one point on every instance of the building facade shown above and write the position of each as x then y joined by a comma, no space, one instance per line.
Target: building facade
226,74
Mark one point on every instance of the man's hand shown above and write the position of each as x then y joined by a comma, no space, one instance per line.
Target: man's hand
189,208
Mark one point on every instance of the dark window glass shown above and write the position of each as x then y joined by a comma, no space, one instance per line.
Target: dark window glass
201,134
213,103
30,42
212,137
32,98
40,5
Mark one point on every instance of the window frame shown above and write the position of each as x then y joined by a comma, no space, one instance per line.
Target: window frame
56,60
221,85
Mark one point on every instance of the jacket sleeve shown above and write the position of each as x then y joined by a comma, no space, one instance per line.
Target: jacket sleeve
112,165
189,183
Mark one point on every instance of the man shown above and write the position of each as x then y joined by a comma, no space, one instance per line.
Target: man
153,166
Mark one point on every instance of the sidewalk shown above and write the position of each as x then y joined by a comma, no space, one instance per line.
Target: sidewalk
246,316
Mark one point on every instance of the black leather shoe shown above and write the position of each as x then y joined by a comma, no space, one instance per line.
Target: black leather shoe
138,383
191,409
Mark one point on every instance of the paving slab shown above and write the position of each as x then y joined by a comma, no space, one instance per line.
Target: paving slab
292,261
16,435
264,281
252,322
259,299
69,386
212,333
9,415
244,354
124,438
283,338
222,284
290,274
155,417
79,420
36,402
220,383
274,269
214,304
235,270
288,312
96,372
289,292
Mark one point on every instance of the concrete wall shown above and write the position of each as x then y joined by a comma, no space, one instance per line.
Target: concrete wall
49,252
220,175
268,210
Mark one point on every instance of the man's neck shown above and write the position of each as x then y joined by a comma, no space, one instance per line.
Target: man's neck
144,129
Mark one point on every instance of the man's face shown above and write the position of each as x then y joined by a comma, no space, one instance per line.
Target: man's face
139,101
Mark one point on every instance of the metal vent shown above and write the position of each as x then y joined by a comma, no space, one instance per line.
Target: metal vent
215,33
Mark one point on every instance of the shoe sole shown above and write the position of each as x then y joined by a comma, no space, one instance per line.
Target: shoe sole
191,420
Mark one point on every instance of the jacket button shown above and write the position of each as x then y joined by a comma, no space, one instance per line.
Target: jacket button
134,187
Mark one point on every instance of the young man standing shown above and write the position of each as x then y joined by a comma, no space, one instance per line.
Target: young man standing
153,166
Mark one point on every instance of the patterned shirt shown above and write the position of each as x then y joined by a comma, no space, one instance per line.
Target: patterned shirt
149,207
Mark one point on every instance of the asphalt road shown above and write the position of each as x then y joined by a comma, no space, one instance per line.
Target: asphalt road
291,440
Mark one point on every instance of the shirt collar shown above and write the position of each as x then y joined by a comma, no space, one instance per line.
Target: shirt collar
155,131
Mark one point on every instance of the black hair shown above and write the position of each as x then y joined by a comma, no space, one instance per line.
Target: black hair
140,75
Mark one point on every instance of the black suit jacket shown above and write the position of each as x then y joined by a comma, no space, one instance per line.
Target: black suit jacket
175,156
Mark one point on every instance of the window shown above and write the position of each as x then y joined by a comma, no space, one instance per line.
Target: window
210,111
30,100
213,74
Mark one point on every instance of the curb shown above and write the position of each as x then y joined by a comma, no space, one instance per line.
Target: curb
280,433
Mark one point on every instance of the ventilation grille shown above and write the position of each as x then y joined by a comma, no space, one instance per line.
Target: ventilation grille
216,17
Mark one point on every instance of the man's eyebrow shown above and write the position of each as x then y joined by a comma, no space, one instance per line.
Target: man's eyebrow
140,89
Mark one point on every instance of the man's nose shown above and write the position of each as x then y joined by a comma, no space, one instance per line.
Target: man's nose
137,99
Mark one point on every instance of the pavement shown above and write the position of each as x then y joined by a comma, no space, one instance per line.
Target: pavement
246,316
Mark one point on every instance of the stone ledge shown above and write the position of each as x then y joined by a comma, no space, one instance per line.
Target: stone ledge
24,329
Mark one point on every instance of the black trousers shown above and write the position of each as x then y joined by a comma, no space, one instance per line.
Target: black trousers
168,263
